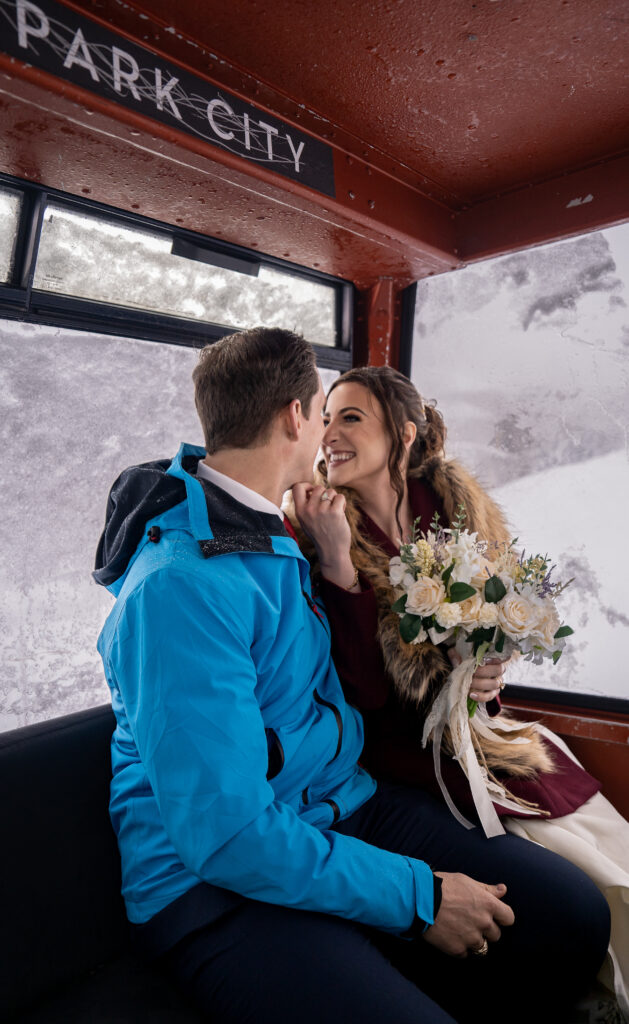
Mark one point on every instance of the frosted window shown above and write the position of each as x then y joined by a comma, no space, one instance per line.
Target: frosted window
528,358
97,259
75,410
10,203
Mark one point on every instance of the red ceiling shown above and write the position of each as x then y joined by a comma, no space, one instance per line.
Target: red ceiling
459,129
477,97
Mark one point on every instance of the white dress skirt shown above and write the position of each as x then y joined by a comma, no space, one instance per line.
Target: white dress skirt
595,837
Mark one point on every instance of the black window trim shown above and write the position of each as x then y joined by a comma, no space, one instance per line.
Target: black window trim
20,301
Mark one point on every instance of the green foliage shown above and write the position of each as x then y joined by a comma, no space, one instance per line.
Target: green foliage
556,656
460,592
481,652
500,640
434,523
495,590
400,604
471,706
410,626
563,631
446,574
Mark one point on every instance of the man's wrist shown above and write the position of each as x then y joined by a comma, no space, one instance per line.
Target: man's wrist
419,926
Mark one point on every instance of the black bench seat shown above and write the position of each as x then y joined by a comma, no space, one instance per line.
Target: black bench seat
65,954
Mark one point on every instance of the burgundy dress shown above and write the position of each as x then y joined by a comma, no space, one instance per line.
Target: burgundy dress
393,749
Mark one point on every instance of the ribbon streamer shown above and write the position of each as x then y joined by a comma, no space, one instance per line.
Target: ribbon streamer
450,708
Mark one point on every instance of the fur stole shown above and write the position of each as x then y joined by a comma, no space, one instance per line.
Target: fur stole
418,671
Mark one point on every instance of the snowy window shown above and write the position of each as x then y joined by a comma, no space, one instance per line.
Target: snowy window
528,359
10,203
108,261
75,410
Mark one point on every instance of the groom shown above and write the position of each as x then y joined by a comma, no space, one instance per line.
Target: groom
261,865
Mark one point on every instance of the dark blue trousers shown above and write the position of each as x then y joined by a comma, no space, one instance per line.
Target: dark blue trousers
263,963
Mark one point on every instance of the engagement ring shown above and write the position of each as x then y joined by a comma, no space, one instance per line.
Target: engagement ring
325,497
482,950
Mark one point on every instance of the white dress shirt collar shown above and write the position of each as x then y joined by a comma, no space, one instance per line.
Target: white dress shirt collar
238,491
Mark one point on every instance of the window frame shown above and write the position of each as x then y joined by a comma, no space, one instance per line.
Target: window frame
19,300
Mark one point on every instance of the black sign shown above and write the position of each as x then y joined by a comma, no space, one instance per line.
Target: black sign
56,39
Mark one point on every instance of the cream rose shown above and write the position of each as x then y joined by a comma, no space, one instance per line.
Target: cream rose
547,625
424,596
518,615
484,570
448,615
470,610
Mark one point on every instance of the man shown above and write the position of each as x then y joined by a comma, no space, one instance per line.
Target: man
261,864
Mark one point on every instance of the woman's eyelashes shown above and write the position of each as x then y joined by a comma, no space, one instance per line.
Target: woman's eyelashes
349,417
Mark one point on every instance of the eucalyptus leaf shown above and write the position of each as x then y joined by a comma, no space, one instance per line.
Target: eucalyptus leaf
495,590
410,626
446,574
556,656
500,640
563,631
400,604
461,592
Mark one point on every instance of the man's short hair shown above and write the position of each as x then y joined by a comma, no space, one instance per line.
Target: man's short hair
242,382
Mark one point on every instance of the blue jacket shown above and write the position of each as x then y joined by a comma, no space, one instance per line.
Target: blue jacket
234,750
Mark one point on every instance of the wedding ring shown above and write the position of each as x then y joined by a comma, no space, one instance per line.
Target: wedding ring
501,684
482,950
325,497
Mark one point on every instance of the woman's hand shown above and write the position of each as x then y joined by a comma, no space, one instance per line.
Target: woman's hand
321,513
487,681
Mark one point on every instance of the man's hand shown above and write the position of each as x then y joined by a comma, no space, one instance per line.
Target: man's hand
470,912
321,512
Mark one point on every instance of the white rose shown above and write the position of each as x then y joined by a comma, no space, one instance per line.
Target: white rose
518,614
421,637
424,596
397,569
469,562
448,615
488,615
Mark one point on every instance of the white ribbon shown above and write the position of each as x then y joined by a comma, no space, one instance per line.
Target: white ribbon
450,708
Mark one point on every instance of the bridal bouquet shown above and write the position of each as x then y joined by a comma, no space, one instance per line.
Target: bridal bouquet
486,602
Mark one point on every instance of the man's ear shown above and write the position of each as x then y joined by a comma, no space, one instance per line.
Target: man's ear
409,434
293,419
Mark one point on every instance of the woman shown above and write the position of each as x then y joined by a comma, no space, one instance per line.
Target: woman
384,466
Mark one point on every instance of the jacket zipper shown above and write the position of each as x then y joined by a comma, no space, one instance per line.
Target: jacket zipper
313,608
339,723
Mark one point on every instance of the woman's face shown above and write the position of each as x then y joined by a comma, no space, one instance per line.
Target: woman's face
355,443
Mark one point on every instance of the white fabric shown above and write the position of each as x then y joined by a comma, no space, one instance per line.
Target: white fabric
595,837
238,491
450,708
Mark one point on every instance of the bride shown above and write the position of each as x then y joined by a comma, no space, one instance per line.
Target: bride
384,466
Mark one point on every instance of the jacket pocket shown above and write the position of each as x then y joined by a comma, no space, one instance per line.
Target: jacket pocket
276,754
339,722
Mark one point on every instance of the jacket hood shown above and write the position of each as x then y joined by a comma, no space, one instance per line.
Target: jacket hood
219,523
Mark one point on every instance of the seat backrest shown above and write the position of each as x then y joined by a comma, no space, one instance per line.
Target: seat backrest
61,913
